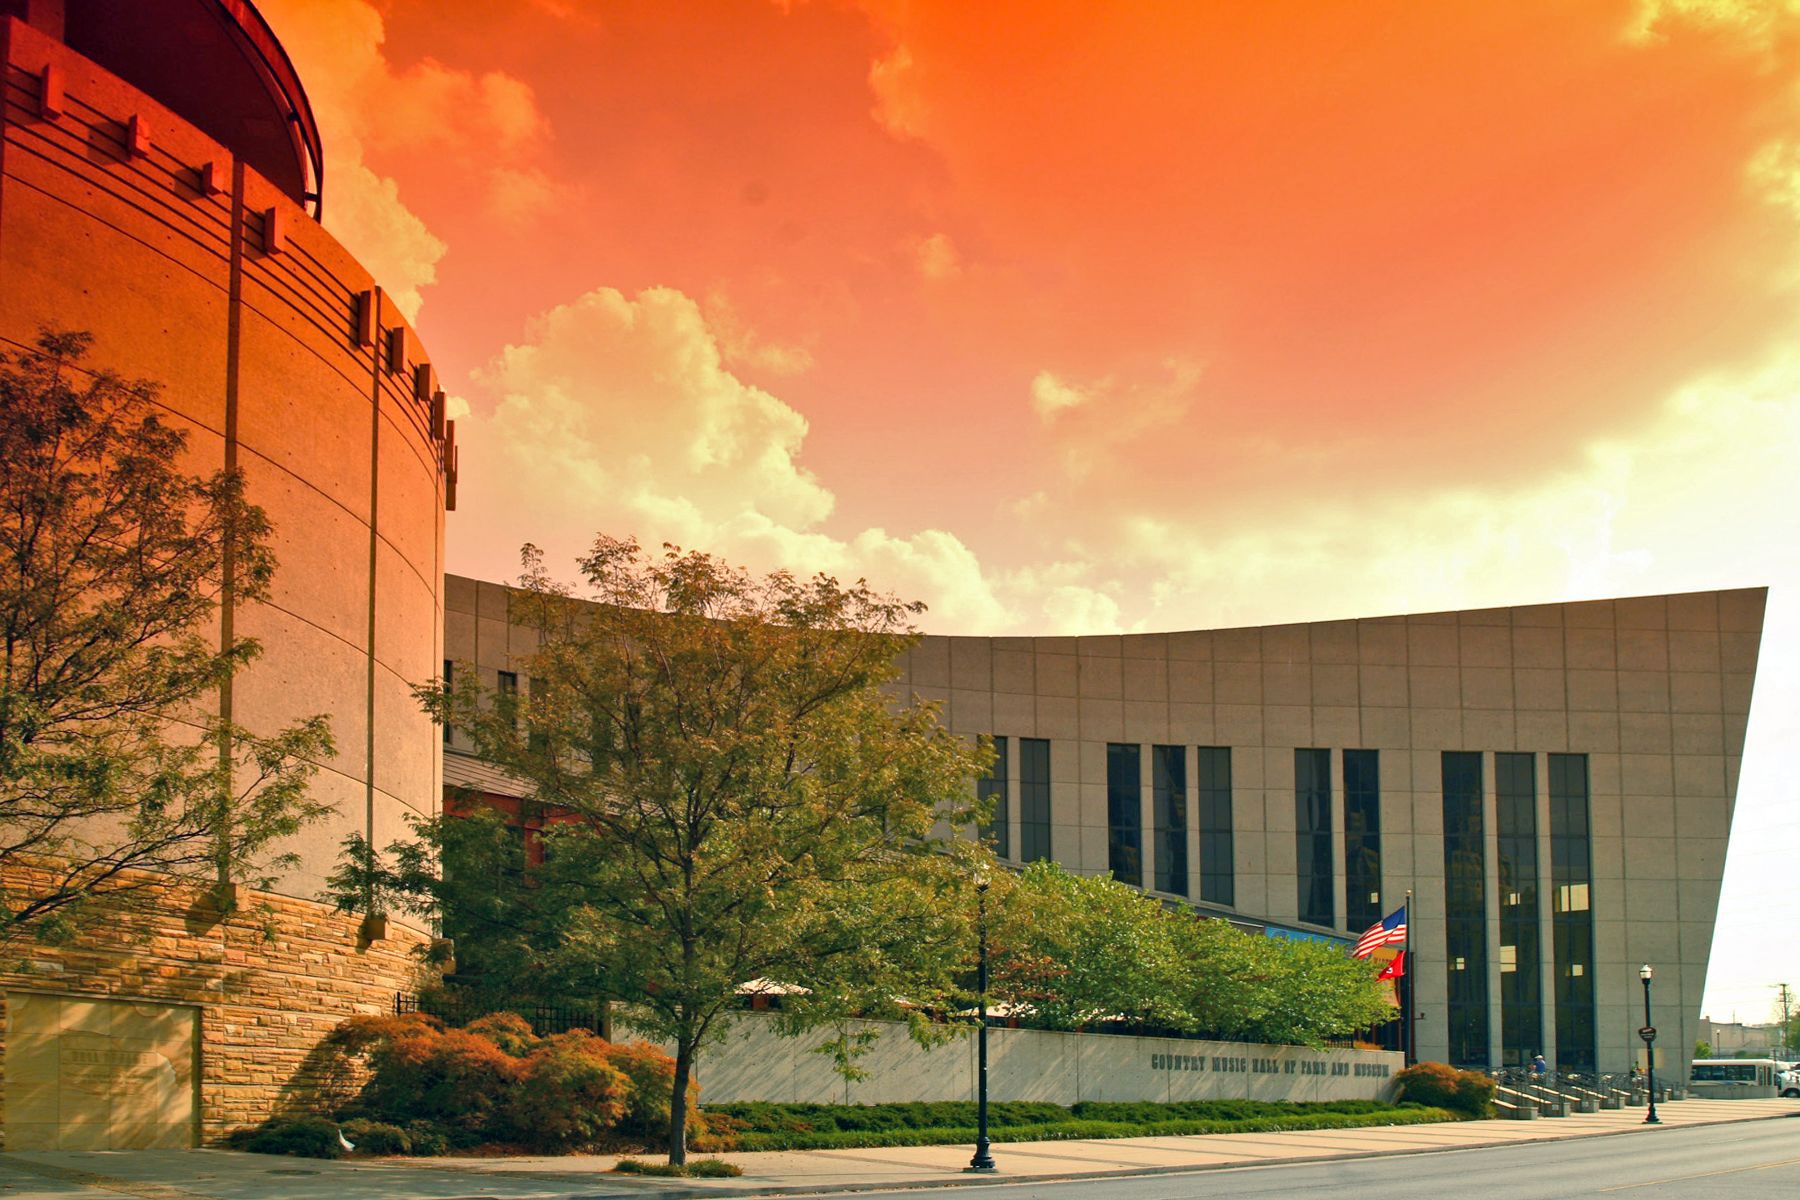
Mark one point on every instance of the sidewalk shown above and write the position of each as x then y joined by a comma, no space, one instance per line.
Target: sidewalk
223,1175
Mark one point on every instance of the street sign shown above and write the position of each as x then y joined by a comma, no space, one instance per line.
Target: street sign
1648,1033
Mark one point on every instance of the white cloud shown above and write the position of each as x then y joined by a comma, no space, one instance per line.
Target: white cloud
626,413
743,347
898,106
1091,422
936,257
1754,20
1050,396
488,125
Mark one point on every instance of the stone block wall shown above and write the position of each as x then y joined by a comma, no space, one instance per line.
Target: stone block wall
267,984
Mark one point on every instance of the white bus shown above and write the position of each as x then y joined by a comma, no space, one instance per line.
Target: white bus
1742,1078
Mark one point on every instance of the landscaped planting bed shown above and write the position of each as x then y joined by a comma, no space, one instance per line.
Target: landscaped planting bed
763,1126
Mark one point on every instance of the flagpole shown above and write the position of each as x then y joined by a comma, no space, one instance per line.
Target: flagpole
1407,983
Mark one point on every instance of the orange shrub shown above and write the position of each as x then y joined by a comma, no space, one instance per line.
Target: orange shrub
569,1092
1440,1085
509,1031
451,1076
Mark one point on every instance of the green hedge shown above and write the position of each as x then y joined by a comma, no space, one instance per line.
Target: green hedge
1072,1128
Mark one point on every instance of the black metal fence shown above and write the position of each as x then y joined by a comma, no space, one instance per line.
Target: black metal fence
545,1019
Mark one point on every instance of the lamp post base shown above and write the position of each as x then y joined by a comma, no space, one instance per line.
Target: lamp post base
983,1161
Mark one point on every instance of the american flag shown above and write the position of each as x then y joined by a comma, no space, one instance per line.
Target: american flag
1389,931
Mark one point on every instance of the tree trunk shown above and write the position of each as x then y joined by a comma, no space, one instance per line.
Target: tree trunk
678,1114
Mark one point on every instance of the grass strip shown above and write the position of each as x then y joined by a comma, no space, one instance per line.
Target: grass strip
846,1139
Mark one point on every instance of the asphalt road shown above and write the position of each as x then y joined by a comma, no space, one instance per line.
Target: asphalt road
1758,1160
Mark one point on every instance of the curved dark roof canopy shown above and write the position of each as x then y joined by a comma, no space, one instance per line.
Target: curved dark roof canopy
216,63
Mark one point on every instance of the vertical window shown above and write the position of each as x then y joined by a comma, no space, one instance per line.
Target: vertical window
1571,913
1312,833
1521,989
1168,779
1124,814
449,679
1034,799
507,695
1217,874
1362,839
1465,909
993,789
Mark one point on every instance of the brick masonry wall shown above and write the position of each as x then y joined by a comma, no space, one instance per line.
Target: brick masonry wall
269,981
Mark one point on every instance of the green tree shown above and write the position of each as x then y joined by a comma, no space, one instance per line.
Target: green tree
1078,949
737,797
1073,951
1702,1048
116,774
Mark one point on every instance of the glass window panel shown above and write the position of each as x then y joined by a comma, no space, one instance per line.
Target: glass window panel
992,789
1312,833
1125,813
1217,877
1168,776
1034,799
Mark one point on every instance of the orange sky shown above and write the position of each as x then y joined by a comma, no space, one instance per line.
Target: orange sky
1068,317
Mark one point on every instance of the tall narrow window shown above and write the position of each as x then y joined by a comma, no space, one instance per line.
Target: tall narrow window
1034,799
506,694
449,683
1168,779
992,789
1521,988
1218,879
1125,814
1571,911
1312,834
1465,909
1362,839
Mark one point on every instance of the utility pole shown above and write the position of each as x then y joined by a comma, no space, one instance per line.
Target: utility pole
1787,1002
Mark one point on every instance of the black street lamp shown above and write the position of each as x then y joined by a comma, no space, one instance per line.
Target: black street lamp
1648,1033
983,1161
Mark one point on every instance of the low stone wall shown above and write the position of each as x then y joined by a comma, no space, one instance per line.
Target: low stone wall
754,1062
261,988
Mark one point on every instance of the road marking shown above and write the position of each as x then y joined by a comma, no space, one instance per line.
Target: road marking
1625,1187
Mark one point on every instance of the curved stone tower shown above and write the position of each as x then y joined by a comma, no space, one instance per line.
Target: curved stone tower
159,184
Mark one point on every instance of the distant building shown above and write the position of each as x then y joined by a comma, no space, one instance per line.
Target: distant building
1730,1039
1554,783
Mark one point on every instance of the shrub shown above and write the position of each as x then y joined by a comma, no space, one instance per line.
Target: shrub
717,1132
1440,1085
428,1139
449,1076
637,1166
377,1137
700,1168
569,1092
303,1137
509,1031
650,1075
713,1168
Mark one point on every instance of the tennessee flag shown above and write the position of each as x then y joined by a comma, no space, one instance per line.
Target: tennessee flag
1395,969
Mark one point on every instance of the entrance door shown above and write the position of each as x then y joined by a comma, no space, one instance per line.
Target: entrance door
89,1074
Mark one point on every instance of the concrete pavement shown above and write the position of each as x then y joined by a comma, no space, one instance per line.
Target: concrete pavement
225,1175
